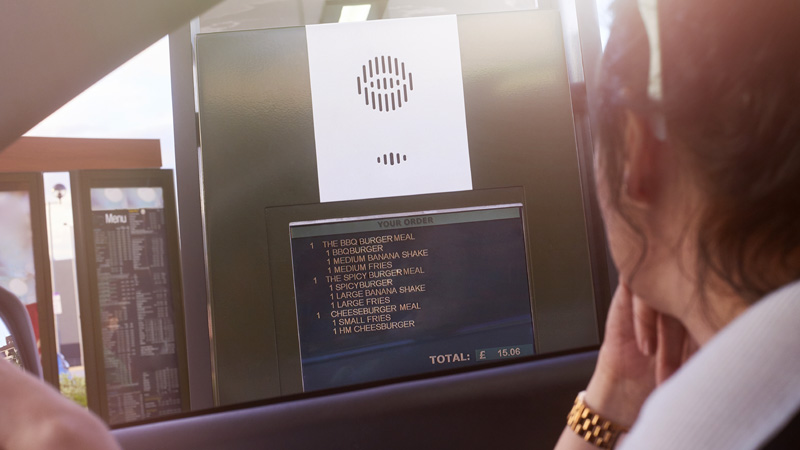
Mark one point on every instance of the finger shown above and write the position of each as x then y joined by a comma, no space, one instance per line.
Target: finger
671,344
644,326
620,310
622,298
689,348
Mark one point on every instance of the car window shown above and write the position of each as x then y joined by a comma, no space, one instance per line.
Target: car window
248,336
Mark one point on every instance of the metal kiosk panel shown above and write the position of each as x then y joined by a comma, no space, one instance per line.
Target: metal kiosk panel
258,151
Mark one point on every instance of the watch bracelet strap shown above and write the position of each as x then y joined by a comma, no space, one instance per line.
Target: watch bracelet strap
592,427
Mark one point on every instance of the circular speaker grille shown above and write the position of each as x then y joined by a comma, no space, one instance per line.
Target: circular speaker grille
385,83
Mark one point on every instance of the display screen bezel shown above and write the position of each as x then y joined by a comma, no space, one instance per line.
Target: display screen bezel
278,255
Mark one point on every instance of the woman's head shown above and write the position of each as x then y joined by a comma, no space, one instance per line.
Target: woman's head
717,197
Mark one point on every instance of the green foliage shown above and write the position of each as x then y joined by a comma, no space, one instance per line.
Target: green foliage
74,389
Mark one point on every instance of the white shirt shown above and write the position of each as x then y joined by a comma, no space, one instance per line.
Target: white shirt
739,390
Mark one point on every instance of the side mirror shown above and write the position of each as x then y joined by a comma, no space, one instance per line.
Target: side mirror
17,342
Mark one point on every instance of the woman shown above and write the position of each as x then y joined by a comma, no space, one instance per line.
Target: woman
698,173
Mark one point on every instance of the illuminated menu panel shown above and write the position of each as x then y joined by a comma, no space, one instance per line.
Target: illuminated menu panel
386,296
139,351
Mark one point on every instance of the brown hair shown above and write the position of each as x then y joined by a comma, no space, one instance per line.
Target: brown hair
731,84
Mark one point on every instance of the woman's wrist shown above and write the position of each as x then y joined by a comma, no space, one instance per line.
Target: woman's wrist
592,427
617,400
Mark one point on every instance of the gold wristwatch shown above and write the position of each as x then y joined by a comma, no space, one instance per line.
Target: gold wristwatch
592,427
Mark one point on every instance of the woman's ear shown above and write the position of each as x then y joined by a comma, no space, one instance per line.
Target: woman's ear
641,174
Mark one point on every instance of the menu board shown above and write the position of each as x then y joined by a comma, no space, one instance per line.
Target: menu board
140,357
386,296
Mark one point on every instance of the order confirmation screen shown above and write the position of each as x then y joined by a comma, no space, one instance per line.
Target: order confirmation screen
380,297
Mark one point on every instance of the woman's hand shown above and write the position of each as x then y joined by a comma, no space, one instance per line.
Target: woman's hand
642,349
624,375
